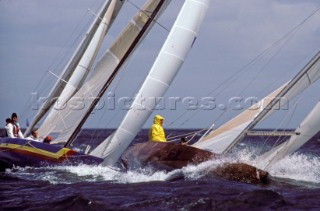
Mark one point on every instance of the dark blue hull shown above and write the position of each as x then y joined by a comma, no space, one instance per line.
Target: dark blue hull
22,152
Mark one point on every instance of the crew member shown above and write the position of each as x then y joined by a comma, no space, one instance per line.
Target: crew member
156,132
34,136
16,127
47,139
9,128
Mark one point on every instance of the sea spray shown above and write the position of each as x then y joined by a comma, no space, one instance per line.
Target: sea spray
300,167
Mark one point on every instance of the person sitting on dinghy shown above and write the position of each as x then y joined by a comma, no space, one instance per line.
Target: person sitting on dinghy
16,127
9,128
156,132
34,136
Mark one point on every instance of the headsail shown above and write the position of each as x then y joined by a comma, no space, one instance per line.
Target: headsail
224,139
161,75
74,61
309,127
82,69
218,140
68,121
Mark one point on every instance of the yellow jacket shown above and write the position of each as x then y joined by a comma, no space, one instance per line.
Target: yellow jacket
156,132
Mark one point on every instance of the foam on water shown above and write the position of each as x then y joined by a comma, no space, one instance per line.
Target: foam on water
298,166
84,173
301,167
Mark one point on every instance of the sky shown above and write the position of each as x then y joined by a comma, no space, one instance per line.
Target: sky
38,37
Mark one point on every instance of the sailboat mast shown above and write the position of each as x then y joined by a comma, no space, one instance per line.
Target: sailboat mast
106,85
282,94
81,71
69,68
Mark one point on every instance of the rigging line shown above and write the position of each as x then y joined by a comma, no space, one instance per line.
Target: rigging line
130,49
116,85
186,135
270,47
58,77
289,117
195,111
79,36
58,55
267,64
244,68
294,66
138,8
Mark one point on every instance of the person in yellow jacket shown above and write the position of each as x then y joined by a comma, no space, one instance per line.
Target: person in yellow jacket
156,132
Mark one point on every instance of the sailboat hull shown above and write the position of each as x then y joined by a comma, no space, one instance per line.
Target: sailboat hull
163,156
171,156
22,152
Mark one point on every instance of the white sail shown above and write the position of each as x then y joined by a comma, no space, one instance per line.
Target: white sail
225,138
81,70
70,118
161,75
85,52
218,140
309,127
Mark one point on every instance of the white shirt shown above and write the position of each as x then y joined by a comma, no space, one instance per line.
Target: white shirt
9,130
32,138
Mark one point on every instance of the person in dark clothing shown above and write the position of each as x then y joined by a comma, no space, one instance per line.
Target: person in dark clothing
47,139
183,141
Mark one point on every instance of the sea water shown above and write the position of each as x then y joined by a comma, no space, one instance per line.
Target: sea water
295,185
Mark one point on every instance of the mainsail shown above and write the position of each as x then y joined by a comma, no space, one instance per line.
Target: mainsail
309,127
93,38
226,137
70,119
171,57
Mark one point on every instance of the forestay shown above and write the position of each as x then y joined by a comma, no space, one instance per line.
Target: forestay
171,57
225,137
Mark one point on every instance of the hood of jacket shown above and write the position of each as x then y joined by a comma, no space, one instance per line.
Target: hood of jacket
157,119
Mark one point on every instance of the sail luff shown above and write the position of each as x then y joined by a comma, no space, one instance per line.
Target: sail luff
170,59
82,69
68,70
147,21
308,75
